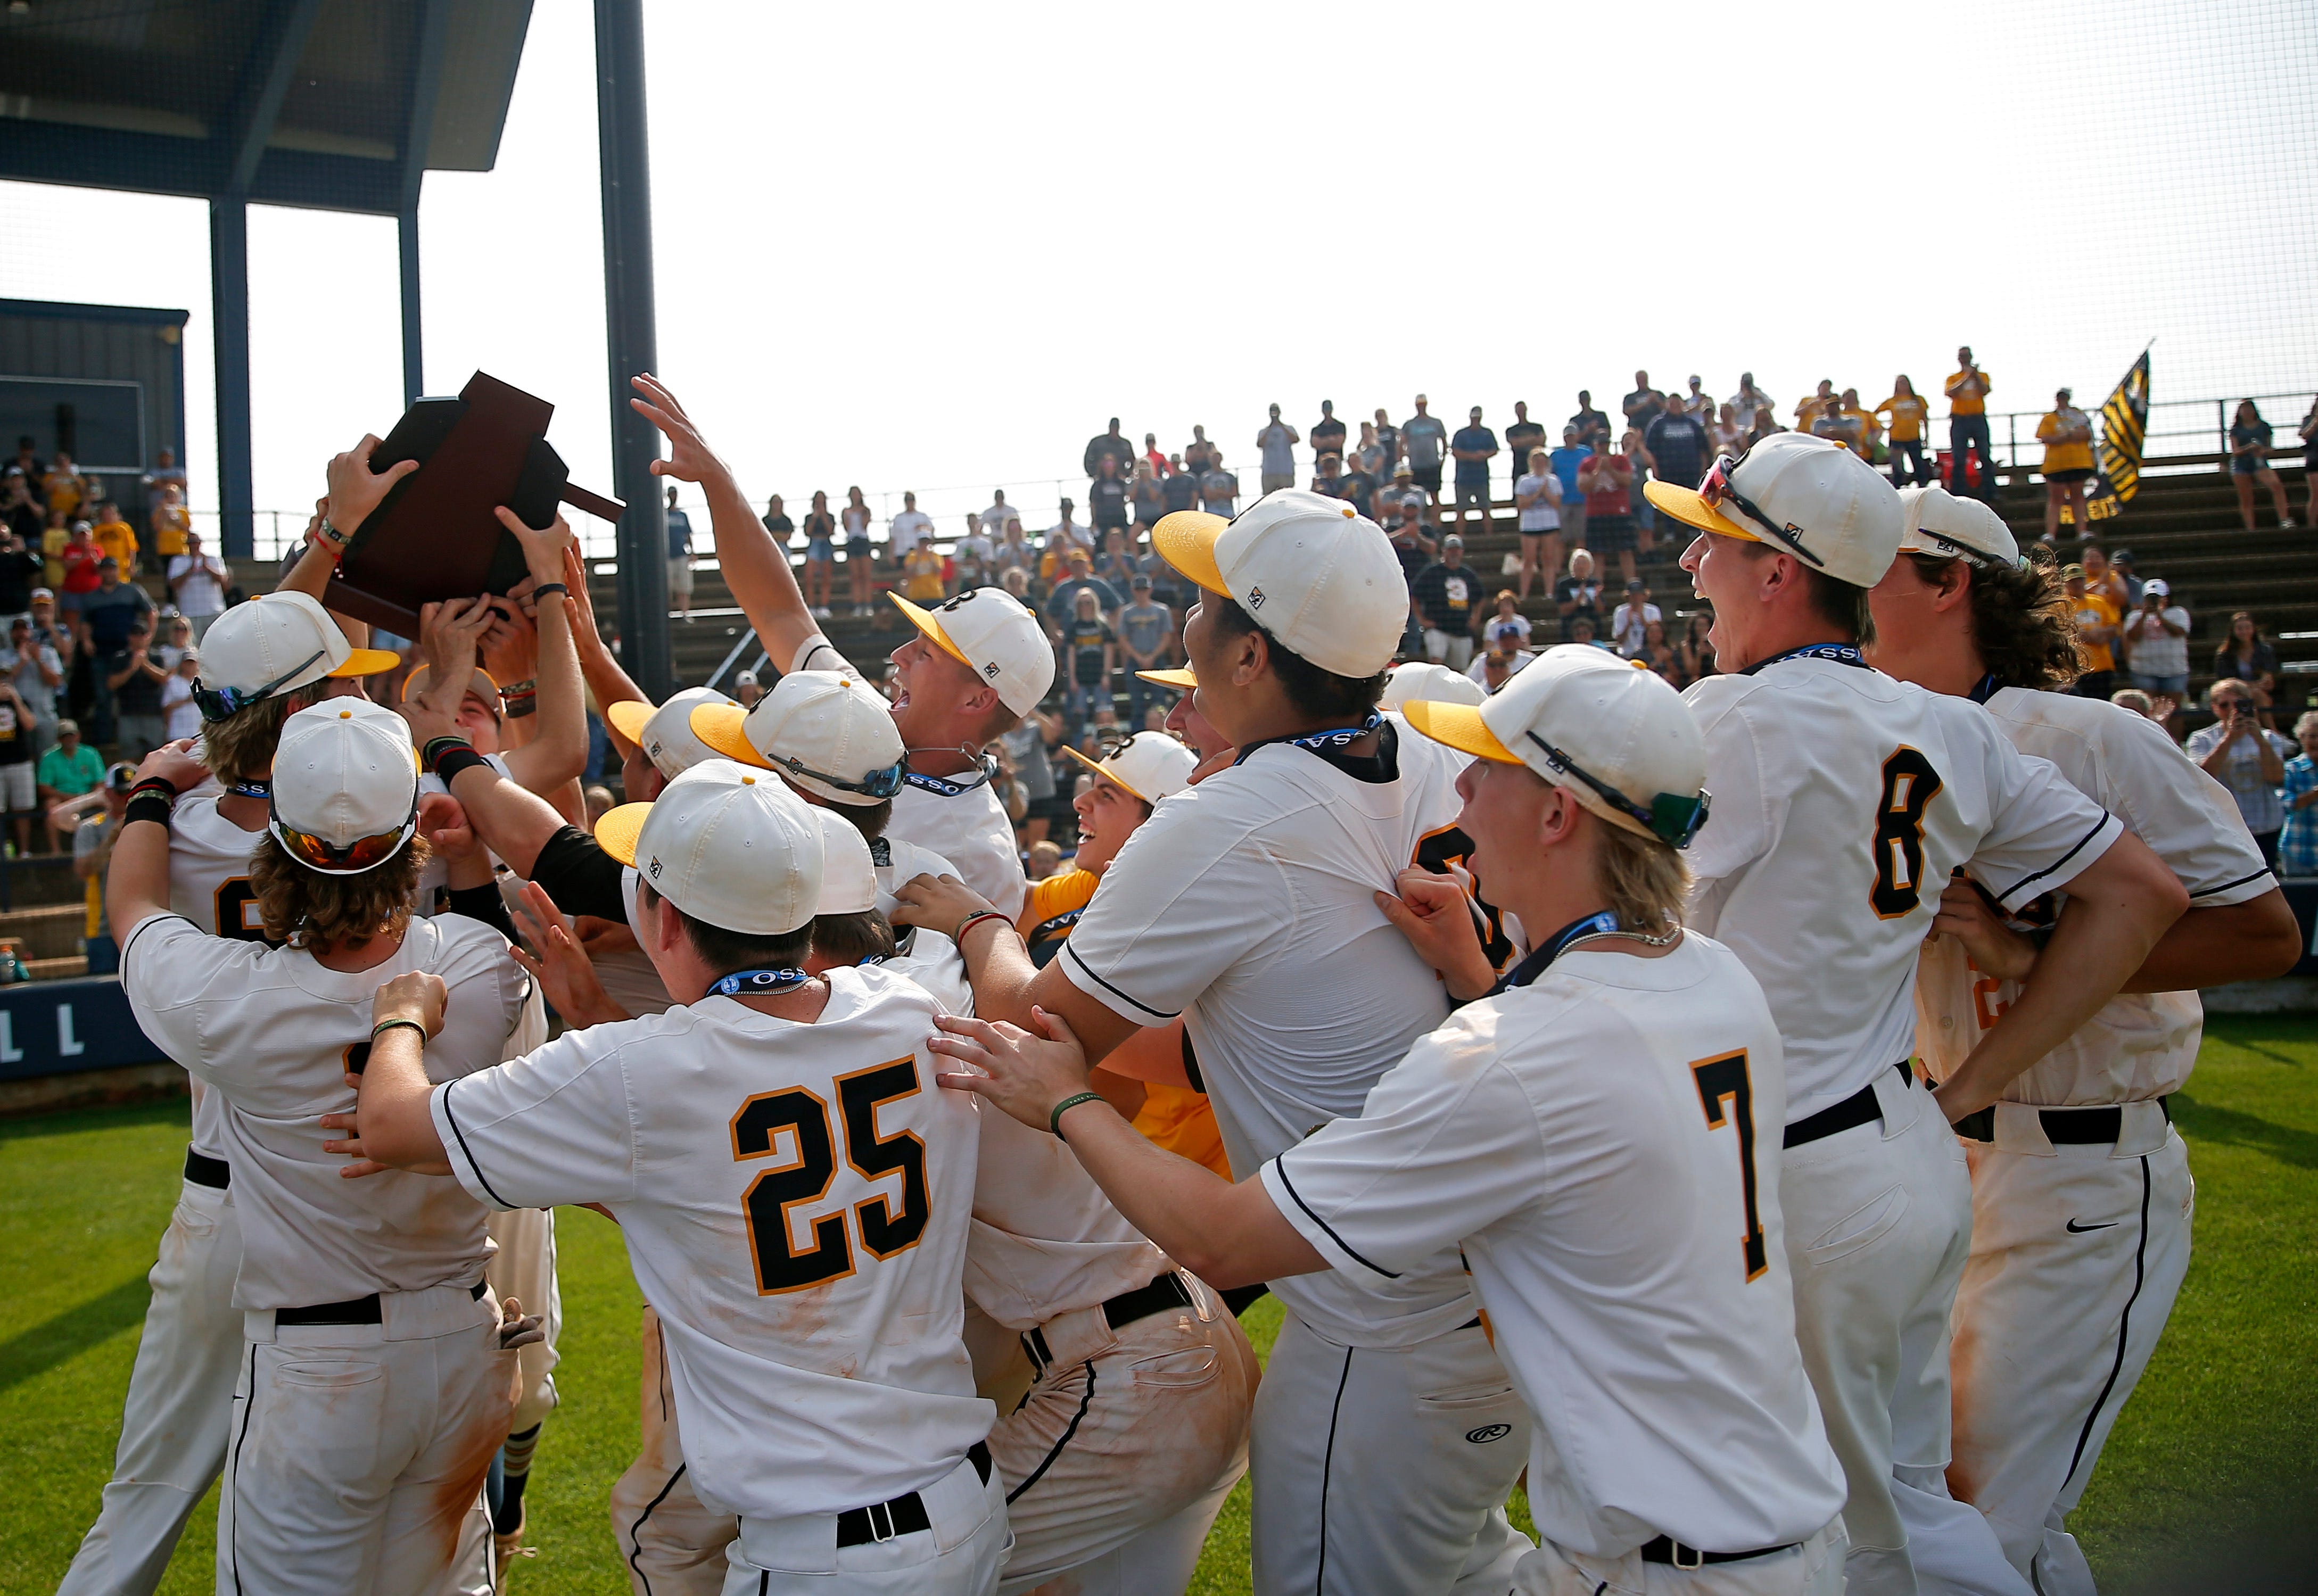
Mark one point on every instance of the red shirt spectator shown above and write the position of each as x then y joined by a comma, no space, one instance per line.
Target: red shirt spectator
1614,478
80,557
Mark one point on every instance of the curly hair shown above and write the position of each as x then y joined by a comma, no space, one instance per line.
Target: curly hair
240,748
316,912
2022,622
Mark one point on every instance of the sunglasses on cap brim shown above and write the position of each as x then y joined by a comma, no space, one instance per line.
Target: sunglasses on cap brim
1671,818
881,782
1717,490
218,702
362,855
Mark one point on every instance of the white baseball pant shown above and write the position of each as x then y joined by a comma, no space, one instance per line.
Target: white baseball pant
960,1554
1384,1470
524,1268
1814,1568
1878,1225
180,1404
359,1452
672,1545
1121,1454
2078,1252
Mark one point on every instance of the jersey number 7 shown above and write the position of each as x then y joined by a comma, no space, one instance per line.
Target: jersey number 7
1727,1093
781,1266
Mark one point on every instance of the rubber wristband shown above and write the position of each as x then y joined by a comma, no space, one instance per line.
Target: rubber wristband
385,1026
517,709
522,689
544,588
1054,1120
454,762
971,921
159,785
149,806
437,746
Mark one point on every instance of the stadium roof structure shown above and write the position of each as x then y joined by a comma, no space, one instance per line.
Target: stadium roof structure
330,105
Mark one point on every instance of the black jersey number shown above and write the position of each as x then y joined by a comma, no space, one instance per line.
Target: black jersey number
773,1198
1436,851
1727,1091
1909,785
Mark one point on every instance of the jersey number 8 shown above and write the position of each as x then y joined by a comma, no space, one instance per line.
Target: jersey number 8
805,1180
1909,785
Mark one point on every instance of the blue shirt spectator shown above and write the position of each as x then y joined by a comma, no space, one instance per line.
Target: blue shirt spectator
1566,461
1473,474
2297,845
679,533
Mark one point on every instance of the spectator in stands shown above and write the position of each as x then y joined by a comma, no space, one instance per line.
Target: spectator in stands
1387,437
1593,426
820,554
1146,642
2067,434
92,853
1401,492
1090,656
165,474
118,539
169,525
1660,655
1180,490
2309,431
679,557
2236,751
907,530
1644,404
1750,398
1581,633
32,664
66,771
18,796
1726,434
1357,486
1537,498
1967,391
1607,482
1910,418
1152,456
112,610
1422,438
1496,667
2157,642
1678,446
20,509
1062,537
1698,647
1107,496
778,525
2297,841
1218,489
63,487
1276,446
2102,577
860,554
1808,411
1521,438
1566,461
180,717
20,570
1829,420
1107,445
2121,562
921,575
1062,604
81,559
1696,401
1198,454
1866,435
1327,476
995,516
1474,446
2098,620
1024,752
1014,554
1443,594
1507,629
173,639
1414,547
1629,622
29,462
1328,433
2250,447
133,678
1146,495
1765,424
1368,455
746,689
2245,655
1116,564
197,581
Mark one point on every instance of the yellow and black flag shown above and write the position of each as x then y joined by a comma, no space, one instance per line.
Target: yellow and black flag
2125,424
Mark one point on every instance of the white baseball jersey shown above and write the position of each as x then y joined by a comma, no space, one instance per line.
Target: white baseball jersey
2140,1045
967,827
1247,904
896,862
1604,1146
209,884
1843,799
273,1031
795,1199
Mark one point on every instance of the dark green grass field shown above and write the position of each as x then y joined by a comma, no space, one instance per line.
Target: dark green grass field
2210,1482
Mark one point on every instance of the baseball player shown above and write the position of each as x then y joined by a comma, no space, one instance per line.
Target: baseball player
1597,1136
794,1195
365,1309
1247,905
1419,680
1843,800
2081,1195
980,663
260,661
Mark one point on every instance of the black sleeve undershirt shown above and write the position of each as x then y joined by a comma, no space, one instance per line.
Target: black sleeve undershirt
482,903
580,876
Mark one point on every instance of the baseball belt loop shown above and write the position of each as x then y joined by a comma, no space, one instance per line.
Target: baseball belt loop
1696,1558
881,1521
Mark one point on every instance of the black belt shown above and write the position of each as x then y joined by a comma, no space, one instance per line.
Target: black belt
1857,1108
2064,1127
203,1170
904,1515
1161,1293
359,1310
1676,1555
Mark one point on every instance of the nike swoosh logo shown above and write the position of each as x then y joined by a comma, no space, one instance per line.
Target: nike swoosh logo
2076,1229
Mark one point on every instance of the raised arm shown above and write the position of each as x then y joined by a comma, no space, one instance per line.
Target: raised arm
610,684
558,750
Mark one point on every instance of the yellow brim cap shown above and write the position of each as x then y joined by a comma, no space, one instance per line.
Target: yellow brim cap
482,682
1106,772
1186,541
367,662
719,725
924,621
1686,506
1458,725
628,717
618,829
1183,681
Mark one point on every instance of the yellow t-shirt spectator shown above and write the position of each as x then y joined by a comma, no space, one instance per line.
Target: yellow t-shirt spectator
921,579
1963,401
2076,456
1810,410
53,540
1864,429
65,491
2096,609
1908,413
170,525
118,539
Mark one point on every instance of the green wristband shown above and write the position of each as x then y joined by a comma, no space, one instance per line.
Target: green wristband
1054,1120
385,1026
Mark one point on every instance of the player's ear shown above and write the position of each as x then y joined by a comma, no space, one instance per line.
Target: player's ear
1952,585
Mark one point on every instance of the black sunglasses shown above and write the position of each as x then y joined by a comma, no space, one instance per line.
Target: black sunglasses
1671,818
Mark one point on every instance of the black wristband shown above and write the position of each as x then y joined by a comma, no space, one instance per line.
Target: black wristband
544,588
159,784
515,709
436,747
451,762
149,806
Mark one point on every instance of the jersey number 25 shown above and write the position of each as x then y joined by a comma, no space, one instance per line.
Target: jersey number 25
805,1179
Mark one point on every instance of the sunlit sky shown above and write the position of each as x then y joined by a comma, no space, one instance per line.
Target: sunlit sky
911,246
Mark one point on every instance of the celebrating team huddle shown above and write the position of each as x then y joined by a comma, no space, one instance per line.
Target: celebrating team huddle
1736,1118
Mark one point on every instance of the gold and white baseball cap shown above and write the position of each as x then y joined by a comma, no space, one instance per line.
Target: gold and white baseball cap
273,645
993,634
345,786
849,875
1312,572
1939,523
725,844
1807,497
1150,765
1612,733
1421,680
482,685
825,730
665,734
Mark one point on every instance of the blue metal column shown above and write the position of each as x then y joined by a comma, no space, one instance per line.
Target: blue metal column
631,341
414,348
229,328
